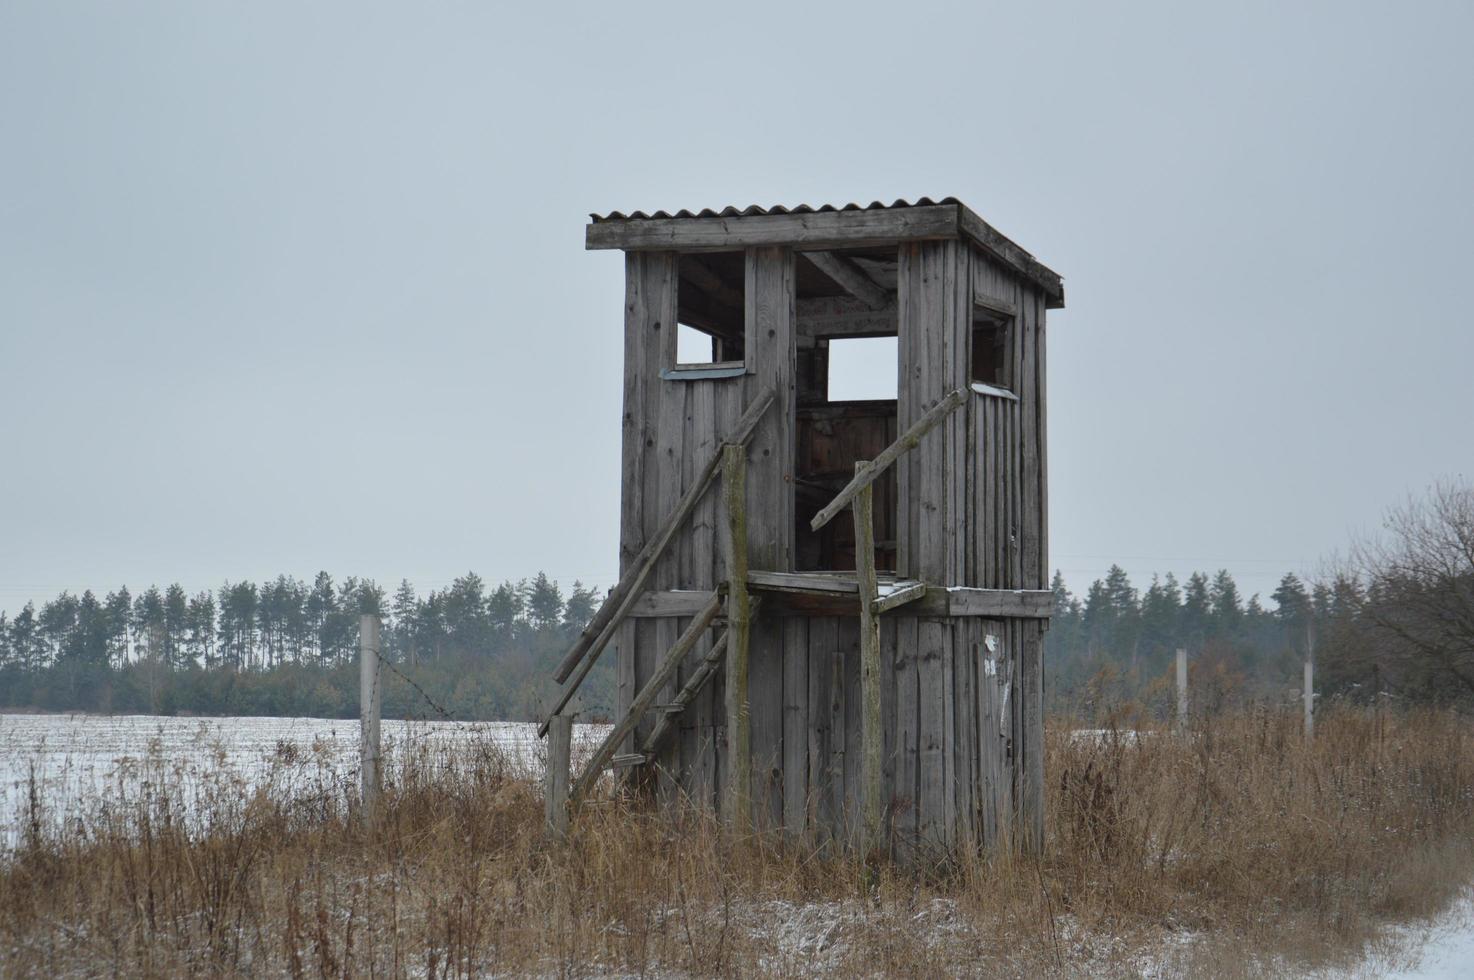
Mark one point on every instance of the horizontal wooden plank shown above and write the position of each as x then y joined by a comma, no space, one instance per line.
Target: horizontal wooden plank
819,229
680,603
827,229
703,372
898,595
991,603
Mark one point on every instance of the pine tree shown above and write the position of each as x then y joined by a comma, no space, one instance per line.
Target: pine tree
1228,609
544,603
582,604
176,626
402,627
1196,611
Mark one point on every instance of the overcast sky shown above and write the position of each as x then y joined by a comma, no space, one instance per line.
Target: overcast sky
288,287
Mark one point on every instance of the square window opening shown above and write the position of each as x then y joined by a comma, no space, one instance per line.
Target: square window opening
862,369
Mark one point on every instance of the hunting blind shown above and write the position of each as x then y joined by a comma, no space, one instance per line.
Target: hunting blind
830,612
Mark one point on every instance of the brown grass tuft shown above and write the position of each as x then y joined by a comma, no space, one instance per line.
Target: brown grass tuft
1233,849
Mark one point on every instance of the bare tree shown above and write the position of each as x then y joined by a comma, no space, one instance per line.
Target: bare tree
1420,585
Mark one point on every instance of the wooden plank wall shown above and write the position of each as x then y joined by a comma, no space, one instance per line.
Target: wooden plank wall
963,741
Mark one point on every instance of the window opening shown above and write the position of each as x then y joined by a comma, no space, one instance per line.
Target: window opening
990,360
862,369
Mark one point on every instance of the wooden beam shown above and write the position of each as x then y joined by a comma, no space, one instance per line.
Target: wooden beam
898,596
711,284
844,316
908,441
827,230
819,229
657,604
622,597
1010,254
739,627
851,278
560,748
987,603
871,735
647,696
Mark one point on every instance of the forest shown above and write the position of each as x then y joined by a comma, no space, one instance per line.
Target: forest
1395,621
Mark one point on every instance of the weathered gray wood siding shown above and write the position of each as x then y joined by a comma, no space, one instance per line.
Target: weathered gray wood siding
963,739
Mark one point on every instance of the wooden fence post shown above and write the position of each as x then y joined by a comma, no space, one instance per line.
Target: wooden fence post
1309,698
560,748
871,738
739,625
369,652
1309,680
1181,690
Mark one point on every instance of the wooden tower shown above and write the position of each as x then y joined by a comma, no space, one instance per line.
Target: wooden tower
830,615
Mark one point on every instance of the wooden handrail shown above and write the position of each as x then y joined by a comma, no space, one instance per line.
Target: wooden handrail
622,598
907,442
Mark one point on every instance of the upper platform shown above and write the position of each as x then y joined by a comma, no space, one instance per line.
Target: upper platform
818,228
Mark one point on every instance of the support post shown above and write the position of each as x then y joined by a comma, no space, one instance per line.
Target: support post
560,748
1181,690
871,736
368,710
1309,680
1309,698
739,627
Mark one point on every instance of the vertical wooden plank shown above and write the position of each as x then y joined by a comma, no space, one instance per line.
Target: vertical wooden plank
1033,759
369,698
1041,346
1029,440
931,810
908,738
769,322
888,715
871,740
820,787
795,724
837,737
769,317
698,721
910,367
854,789
987,734
958,325
765,699
947,706
555,805
963,740
739,743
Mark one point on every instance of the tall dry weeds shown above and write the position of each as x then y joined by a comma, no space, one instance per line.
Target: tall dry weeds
1238,834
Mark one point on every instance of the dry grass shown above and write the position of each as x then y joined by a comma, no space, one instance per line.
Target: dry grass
1166,854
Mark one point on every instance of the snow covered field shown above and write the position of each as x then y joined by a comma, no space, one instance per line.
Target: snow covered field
80,760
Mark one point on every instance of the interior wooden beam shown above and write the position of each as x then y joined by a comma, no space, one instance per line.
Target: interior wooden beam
851,278
710,283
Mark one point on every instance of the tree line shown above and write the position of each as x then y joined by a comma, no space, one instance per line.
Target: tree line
487,651
1395,619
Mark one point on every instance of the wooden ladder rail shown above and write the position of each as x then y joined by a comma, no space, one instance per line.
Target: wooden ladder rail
646,698
622,598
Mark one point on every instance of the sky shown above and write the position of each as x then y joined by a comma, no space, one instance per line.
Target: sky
289,287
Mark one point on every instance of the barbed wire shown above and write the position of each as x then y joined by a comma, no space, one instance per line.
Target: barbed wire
428,699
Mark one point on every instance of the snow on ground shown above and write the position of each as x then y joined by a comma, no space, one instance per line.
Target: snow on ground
78,760
1440,950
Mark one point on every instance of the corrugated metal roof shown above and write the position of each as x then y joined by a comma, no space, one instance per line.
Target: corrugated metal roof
732,211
